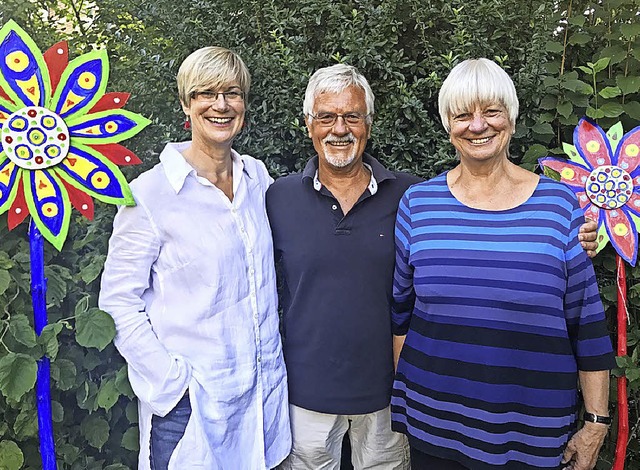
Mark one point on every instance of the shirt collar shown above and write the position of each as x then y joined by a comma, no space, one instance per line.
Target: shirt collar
378,172
177,169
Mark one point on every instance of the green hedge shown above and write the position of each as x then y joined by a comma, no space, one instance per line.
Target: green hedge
568,58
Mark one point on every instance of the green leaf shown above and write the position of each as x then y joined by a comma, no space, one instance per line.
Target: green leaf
82,305
577,20
17,375
610,293
57,278
131,439
5,261
612,109
90,272
554,46
5,280
26,423
22,330
49,339
91,360
116,466
586,70
95,430
594,113
579,38
578,86
549,102
70,453
630,30
632,108
11,457
534,152
542,128
550,173
95,329
131,412
633,374
629,84
610,92
565,109
63,372
122,382
601,64
108,394
86,396
57,412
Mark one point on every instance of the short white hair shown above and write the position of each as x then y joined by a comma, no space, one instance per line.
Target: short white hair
335,79
476,81
210,68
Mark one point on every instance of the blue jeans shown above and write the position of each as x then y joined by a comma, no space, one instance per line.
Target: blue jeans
166,432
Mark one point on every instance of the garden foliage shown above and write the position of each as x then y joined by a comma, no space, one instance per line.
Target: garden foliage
568,58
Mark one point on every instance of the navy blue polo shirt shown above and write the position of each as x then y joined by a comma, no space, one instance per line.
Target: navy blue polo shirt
336,295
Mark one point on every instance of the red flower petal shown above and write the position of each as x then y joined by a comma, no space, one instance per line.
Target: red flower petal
623,234
628,152
571,174
633,204
118,154
19,209
592,143
4,95
80,200
57,58
114,100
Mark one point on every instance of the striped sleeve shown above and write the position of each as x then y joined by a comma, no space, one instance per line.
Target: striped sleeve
584,313
403,291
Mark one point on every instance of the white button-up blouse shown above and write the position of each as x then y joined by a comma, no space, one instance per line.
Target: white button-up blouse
190,282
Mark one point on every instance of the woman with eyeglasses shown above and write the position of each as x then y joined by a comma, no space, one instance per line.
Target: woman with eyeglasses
190,283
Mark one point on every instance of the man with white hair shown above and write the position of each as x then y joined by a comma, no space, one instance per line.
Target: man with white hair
333,234
333,231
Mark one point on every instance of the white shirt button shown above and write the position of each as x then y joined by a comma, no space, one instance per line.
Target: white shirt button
334,207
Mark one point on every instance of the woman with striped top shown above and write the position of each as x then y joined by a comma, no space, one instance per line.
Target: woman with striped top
497,317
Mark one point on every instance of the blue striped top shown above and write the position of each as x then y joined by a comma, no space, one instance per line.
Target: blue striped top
501,309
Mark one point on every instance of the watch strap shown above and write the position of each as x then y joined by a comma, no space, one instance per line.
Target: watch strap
593,418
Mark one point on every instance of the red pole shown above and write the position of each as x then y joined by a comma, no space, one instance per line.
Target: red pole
623,405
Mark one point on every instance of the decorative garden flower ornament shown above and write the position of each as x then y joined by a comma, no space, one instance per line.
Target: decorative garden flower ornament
603,170
59,134
59,147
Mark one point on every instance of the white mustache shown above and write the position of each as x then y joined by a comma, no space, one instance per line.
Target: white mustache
335,138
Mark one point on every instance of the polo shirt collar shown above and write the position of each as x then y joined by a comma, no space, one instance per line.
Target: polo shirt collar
177,169
378,172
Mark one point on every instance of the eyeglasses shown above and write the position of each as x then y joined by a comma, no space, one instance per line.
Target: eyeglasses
210,96
329,119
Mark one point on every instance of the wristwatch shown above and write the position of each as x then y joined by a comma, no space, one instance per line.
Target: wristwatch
597,418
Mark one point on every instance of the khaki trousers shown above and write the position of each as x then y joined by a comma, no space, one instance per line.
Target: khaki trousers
317,441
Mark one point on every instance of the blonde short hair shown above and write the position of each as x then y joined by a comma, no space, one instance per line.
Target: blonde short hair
211,68
476,81
335,79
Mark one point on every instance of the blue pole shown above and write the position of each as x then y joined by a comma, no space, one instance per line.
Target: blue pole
43,384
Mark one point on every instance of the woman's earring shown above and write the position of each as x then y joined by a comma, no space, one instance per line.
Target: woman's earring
187,124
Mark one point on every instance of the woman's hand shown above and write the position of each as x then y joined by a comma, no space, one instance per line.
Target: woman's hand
587,237
582,449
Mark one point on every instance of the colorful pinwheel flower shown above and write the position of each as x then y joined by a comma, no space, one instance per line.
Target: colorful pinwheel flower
59,134
604,172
